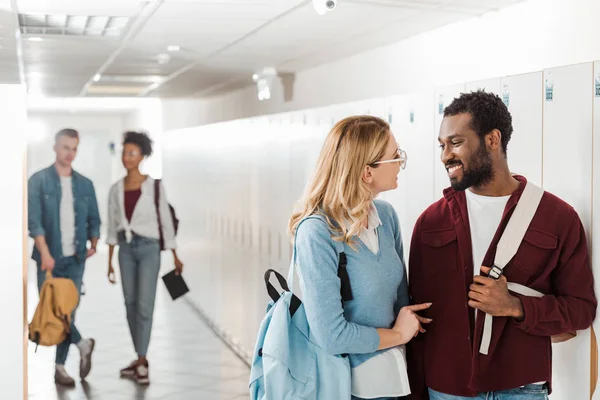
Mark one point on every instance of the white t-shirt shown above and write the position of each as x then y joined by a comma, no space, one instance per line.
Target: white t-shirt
67,217
485,214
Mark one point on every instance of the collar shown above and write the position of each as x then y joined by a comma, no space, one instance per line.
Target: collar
373,218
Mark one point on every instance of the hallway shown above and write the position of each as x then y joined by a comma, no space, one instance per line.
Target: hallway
187,360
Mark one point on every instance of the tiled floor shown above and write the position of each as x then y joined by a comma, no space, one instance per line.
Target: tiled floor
187,361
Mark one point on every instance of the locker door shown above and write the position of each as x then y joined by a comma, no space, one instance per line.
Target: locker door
443,97
398,198
596,221
489,85
523,93
412,124
567,173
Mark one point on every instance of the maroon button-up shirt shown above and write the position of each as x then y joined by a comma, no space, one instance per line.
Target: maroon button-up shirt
552,259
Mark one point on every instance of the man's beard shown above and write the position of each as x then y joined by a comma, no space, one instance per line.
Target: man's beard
480,170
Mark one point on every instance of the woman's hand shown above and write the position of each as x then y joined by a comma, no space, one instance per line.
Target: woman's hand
408,323
178,266
111,274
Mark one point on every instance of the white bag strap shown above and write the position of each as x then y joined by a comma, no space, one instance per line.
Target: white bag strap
507,248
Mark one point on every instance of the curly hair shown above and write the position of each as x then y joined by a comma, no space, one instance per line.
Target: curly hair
140,139
488,112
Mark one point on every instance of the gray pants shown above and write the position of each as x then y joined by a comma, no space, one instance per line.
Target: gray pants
139,263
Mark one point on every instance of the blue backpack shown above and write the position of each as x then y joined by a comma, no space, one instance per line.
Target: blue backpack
287,363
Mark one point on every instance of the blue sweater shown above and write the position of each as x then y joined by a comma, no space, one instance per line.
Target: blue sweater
378,282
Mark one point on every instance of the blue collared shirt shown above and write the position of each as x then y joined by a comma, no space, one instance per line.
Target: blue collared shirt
44,196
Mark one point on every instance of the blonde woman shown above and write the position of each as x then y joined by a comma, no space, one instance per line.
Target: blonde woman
364,311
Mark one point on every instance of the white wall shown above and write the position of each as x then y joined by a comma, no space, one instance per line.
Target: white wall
237,182
527,37
94,158
12,240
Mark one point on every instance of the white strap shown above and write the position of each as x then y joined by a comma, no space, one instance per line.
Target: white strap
507,247
517,226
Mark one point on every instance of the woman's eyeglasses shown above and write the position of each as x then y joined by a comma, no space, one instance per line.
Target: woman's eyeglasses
400,158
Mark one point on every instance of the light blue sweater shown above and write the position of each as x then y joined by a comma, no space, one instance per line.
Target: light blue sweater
378,282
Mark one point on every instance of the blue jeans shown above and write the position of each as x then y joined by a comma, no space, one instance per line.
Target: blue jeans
67,267
139,262
527,392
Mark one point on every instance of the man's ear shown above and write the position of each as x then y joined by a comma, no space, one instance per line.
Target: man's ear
494,139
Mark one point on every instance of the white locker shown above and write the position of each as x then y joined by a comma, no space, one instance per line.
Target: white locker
567,173
442,98
596,207
523,95
489,85
412,124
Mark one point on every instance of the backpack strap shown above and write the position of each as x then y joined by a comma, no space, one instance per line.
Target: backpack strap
156,205
507,247
342,272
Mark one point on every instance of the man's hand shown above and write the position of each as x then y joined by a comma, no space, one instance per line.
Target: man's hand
90,252
492,297
47,262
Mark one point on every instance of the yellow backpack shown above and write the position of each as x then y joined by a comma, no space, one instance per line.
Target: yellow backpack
52,318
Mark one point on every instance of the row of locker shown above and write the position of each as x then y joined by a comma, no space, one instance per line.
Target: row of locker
243,178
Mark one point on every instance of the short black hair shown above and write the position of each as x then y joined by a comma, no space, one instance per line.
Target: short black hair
72,133
140,139
488,112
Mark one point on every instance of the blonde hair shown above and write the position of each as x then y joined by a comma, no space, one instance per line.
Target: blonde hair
336,189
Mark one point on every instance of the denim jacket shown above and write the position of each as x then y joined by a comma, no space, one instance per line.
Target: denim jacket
44,196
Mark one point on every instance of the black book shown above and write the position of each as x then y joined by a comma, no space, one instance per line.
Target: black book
175,285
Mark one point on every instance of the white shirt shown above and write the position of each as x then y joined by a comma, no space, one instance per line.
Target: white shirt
485,214
144,220
67,217
384,375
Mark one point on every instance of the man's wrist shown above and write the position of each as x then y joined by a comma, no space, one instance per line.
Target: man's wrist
517,311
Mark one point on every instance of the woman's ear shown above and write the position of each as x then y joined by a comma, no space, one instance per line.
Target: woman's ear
367,175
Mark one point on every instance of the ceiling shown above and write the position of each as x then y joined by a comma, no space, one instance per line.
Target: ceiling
120,47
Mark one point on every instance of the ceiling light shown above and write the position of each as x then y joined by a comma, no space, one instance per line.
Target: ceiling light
163,58
97,77
35,39
173,47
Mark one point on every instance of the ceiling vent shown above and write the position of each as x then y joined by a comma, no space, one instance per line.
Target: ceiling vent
72,25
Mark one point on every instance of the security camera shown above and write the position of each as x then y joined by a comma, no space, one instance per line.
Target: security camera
324,6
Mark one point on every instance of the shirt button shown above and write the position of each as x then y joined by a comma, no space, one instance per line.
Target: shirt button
77,242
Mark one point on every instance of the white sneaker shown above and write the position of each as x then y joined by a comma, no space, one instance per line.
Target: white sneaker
142,374
86,348
62,378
